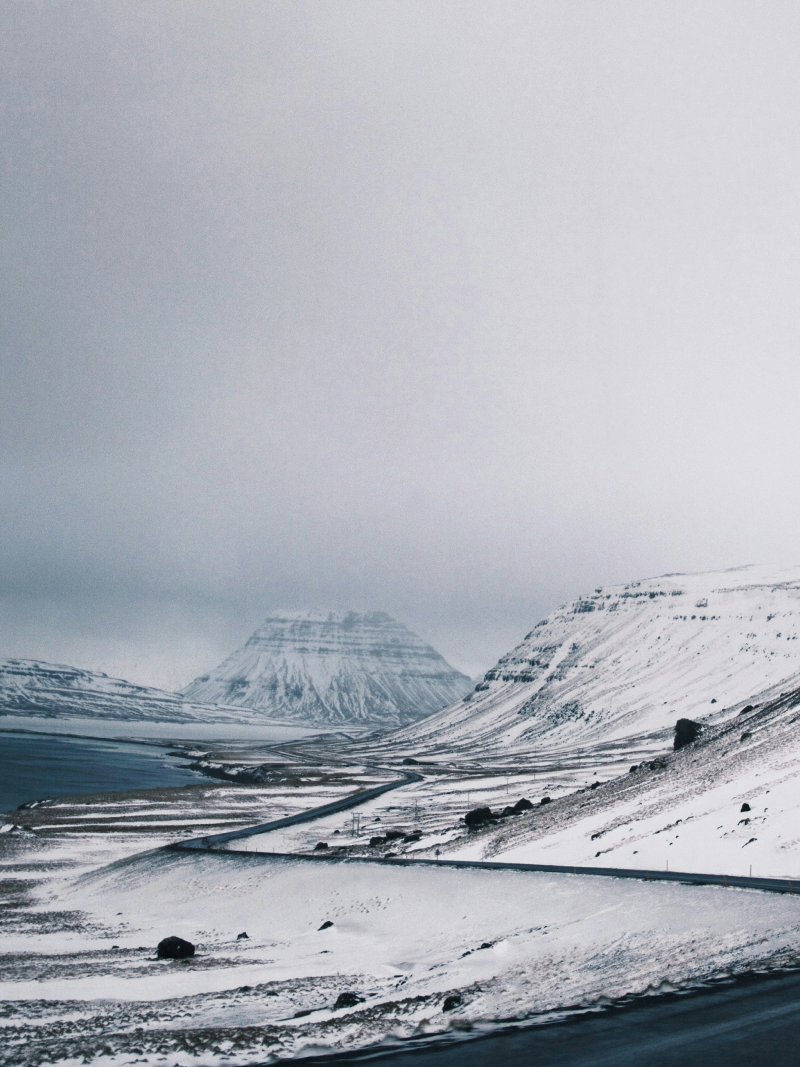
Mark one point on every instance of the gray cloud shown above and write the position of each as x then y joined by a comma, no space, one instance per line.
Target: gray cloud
447,309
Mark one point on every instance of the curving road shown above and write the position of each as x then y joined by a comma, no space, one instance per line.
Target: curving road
769,885
748,1023
310,815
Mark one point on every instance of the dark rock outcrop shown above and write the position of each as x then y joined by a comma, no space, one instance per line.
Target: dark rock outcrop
348,999
478,816
686,731
174,948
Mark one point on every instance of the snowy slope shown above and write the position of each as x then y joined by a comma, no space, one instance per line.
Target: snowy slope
334,667
31,688
84,987
627,661
684,809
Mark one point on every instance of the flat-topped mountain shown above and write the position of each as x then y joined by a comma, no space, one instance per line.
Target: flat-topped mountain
334,668
627,661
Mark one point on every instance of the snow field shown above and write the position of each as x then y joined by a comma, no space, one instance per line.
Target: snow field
512,945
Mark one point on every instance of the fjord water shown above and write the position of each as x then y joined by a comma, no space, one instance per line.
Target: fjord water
36,766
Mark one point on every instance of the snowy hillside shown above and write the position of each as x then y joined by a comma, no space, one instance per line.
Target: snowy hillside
334,667
727,804
628,661
31,688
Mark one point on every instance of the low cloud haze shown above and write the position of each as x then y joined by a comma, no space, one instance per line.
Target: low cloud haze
452,310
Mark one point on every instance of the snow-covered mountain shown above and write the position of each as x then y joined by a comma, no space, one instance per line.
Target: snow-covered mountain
29,687
334,667
628,661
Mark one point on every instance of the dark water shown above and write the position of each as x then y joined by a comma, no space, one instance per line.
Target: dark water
35,766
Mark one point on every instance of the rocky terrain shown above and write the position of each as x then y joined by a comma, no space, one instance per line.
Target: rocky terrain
334,668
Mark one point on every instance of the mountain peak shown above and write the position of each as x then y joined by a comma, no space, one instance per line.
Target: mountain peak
334,667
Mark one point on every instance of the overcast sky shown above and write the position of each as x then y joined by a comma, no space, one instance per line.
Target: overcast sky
452,310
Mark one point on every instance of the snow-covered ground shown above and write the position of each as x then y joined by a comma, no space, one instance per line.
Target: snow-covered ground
684,810
506,946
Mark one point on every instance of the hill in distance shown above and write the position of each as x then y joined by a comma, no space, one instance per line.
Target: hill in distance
334,668
51,690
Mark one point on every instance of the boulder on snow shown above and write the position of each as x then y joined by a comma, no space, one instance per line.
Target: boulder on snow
348,999
523,805
320,845
174,948
326,925
242,936
375,841
478,816
451,1002
745,807
394,835
546,800
686,731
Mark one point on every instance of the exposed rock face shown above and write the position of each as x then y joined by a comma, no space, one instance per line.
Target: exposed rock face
334,668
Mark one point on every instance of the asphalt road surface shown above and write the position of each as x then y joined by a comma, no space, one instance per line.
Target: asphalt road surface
751,1023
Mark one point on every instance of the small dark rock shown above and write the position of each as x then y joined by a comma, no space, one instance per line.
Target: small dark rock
656,765
686,731
394,835
452,1002
745,807
326,925
410,838
375,841
746,736
320,845
744,711
242,936
486,944
478,816
348,999
504,814
336,832
409,761
302,1014
594,785
713,700
174,948
545,800
390,855
246,989
523,805
633,770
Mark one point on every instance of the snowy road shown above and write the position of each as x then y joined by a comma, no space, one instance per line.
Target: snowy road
772,885
749,1024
